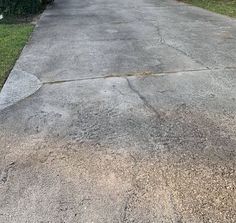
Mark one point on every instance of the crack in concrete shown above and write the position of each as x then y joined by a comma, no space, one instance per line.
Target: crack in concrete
131,192
145,101
118,90
163,41
126,206
184,53
5,173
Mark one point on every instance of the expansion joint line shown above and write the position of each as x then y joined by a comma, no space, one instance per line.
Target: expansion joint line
144,74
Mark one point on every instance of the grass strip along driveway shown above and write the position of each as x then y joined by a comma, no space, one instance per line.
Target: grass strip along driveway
224,7
13,37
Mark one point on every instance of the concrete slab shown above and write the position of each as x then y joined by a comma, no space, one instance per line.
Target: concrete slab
122,57
121,111
18,86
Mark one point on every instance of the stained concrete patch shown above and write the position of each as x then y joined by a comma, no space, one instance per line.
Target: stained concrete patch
122,149
18,86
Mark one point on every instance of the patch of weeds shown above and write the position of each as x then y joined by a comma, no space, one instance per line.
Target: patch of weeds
224,7
13,38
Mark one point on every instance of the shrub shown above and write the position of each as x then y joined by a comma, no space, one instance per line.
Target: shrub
21,7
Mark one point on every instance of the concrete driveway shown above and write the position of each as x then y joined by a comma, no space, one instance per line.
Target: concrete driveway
121,111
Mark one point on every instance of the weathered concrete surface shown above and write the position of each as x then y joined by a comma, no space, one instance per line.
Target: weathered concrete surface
130,116
18,86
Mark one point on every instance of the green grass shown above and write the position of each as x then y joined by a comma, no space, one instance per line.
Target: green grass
13,38
225,7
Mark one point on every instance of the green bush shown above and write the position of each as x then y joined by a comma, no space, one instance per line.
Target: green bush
21,7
